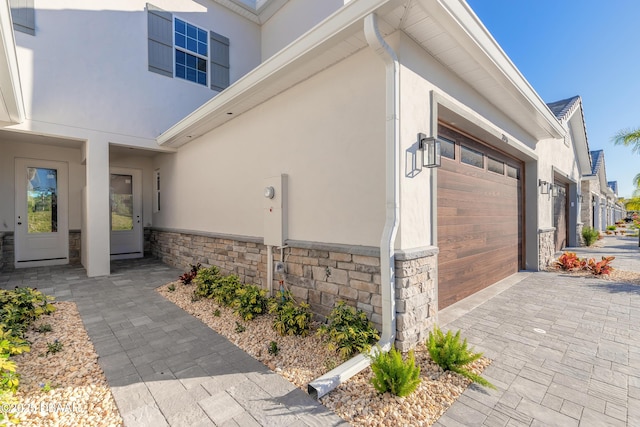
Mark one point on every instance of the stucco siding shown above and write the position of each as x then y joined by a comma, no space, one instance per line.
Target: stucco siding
86,67
295,18
326,134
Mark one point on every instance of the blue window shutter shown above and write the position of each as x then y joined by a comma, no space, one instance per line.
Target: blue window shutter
160,32
219,61
24,16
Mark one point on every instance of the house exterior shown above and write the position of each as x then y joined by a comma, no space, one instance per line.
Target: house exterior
600,197
241,134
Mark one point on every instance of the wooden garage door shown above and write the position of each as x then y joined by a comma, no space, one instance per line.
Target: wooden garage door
479,217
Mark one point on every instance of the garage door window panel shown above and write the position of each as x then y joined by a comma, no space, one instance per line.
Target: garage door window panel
495,166
447,148
513,172
471,157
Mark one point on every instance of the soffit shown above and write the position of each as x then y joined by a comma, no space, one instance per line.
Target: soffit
449,31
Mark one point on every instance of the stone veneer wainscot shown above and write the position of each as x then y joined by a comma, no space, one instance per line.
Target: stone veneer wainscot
318,274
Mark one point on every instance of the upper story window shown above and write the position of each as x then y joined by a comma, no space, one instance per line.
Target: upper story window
192,52
177,48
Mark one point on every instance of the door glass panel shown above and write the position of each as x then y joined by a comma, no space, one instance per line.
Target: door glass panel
121,202
42,200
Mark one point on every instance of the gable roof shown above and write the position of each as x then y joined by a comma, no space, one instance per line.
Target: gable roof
613,185
597,159
570,113
562,109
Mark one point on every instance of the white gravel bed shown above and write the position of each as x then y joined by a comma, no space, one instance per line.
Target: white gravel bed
302,359
80,394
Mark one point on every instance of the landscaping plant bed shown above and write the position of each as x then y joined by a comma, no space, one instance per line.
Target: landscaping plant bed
302,359
61,383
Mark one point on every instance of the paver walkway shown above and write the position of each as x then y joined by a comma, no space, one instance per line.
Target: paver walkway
565,350
164,366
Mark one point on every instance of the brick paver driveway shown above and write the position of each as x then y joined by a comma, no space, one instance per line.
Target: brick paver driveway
566,351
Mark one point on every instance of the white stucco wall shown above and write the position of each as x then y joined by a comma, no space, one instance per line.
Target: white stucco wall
87,65
10,150
554,154
420,74
327,137
295,18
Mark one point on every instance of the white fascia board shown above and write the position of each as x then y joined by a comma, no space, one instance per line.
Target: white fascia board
475,31
580,143
10,87
344,19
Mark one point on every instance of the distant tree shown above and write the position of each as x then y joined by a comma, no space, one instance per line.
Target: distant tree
628,137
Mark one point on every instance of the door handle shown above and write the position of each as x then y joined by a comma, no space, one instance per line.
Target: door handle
19,223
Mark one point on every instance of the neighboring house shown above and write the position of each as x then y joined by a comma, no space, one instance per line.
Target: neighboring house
567,163
600,201
238,133
618,211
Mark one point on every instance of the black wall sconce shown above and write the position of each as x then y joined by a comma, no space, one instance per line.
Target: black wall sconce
544,186
430,147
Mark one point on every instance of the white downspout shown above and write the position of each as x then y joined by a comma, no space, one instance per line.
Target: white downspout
270,270
327,382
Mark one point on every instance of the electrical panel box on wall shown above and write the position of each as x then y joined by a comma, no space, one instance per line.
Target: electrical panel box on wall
275,210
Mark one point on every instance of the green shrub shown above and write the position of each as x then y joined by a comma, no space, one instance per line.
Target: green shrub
290,318
590,235
44,328
206,281
273,348
392,374
54,347
348,331
225,291
611,227
250,301
21,306
240,327
453,355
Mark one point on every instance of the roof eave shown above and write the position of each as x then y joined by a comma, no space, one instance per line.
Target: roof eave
470,28
342,21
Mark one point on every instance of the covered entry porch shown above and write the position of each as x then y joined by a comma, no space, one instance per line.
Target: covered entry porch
72,201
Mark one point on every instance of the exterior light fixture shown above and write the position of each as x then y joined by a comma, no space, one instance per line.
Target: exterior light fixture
430,147
580,198
554,190
594,203
544,186
269,192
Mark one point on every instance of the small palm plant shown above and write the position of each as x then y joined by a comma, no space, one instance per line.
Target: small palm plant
452,354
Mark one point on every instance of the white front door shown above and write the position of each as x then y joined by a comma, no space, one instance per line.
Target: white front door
126,213
42,223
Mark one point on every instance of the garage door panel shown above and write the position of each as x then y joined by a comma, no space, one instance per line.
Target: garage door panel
475,272
468,248
491,188
479,225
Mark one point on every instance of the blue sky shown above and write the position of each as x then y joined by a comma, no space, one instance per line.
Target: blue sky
589,48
